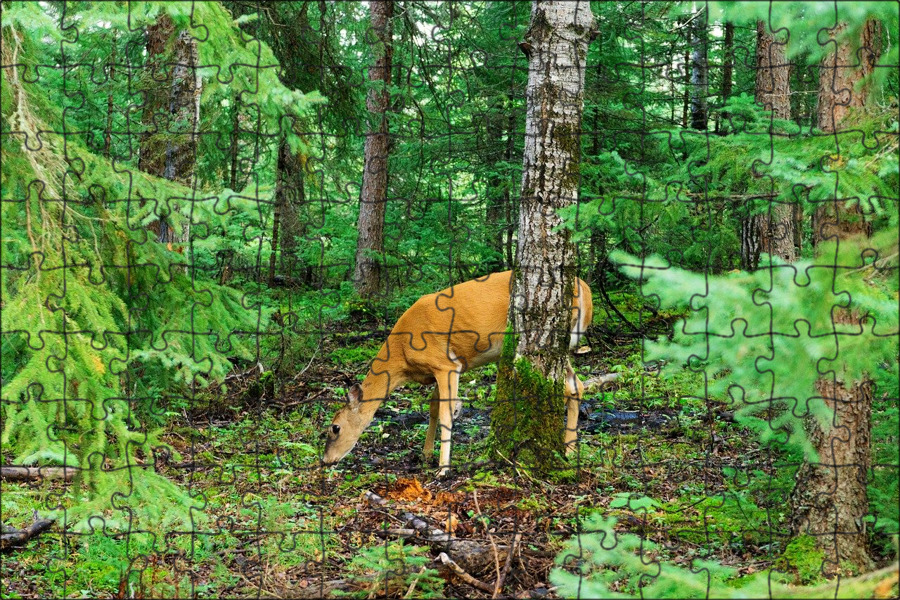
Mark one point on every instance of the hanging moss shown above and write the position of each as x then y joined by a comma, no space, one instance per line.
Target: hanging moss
527,422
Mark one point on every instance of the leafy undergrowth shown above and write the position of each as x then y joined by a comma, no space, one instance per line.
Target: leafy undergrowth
671,468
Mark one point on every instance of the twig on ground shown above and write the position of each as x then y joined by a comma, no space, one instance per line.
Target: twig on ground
459,572
490,538
502,579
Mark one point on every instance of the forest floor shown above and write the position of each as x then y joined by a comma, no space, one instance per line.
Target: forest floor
671,466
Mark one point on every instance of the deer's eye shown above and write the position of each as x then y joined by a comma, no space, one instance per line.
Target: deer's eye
335,429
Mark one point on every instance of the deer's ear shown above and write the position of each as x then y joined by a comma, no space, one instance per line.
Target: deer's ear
354,394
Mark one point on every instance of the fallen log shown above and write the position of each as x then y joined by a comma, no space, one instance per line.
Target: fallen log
12,537
18,473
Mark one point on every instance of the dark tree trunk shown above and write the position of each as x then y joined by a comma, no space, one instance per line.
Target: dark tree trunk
373,198
107,141
507,190
727,67
235,141
171,112
699,71
686,99
528,421
772,231
494,194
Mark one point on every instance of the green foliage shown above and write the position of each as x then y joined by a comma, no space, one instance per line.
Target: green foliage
762,340
392,568
601,562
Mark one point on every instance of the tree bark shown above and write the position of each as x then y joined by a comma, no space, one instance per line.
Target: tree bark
699,71
830,499
528,422
842,88
773,71
727,67
373,199
171,112
686,98
841,79
771,232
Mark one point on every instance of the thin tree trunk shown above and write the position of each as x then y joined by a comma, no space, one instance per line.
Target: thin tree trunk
494,196
772,231
528,421
235,140
686,99
699,72
107,141
373,199
507,190
727,70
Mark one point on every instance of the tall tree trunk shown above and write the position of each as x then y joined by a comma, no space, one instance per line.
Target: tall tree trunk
727,69
773,88
842,87
686,99
699,71
830,500
235,141
494,196
107,140
171,113
507,190
373,198
771,231
528,421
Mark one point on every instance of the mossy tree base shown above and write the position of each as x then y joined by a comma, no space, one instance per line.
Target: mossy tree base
528,419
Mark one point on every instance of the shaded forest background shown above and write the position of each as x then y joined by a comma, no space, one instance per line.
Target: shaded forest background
213,213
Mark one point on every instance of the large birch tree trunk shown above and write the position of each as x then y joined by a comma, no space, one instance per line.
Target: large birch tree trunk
830,500
772,231
528,422
373,198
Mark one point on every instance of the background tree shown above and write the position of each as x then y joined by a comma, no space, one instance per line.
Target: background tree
771,231
373,197
528,420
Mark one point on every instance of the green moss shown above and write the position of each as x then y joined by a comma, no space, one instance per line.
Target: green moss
804,559
527,423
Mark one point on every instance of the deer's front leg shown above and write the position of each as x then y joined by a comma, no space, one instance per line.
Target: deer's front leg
448,387
433,416
574,392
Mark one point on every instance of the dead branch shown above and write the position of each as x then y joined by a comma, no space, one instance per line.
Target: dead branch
17,473
459,572
502,579
12,537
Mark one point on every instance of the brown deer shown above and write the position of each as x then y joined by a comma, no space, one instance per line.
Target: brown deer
437,339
